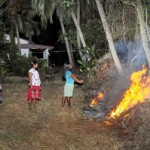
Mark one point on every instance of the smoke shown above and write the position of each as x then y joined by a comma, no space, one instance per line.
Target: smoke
131,53
132,57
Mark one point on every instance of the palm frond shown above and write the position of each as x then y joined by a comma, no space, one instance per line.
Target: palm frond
19,22
2,2
45,9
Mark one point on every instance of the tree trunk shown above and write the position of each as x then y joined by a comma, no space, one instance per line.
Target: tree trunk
78,29
18,37
109,36
143,32
12,36
66,40
147,28
78,37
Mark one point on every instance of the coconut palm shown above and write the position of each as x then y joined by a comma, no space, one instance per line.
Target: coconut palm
45,10
140,14
78,18
18,18
108,35
66,39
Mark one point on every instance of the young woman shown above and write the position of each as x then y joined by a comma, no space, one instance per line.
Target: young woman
34,85
69,86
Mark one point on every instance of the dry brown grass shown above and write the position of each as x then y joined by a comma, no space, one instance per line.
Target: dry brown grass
50,127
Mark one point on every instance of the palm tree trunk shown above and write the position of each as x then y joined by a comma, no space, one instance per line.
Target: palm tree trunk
146,22
143,32
66,40
109,36
18,37
78,37
78,29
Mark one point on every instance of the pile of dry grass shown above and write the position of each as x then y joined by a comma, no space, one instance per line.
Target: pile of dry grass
138,125
133,130
105,70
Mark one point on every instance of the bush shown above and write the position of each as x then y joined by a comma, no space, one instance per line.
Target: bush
88,61
19,65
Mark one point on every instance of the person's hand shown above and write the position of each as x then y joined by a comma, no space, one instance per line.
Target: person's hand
81,81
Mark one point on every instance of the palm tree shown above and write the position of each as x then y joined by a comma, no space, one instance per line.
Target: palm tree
19,19
108,36
45,10
78,18
140,14
66,39
74,18
69,6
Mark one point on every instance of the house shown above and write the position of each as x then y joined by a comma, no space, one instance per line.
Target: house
27,47
24,51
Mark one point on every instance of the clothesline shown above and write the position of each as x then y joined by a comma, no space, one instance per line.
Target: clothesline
37,52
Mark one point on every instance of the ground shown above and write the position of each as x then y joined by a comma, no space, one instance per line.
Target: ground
51,127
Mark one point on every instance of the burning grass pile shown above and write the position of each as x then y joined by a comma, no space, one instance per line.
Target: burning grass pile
103,81
130,117
133,127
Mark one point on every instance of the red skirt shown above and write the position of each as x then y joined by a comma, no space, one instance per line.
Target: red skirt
34,93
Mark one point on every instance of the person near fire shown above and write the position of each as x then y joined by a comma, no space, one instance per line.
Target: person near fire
34,86
69,85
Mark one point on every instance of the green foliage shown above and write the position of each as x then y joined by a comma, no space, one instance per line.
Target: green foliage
71,34
42,64
19,65
5,47
94,33
68,3
87,65
121,18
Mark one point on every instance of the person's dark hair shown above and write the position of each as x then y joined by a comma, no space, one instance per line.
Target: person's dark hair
68,67
34,62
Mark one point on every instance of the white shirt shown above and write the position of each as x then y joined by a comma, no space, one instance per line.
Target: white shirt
35,77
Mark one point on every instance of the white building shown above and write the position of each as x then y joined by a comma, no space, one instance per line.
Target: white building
26,46
24,51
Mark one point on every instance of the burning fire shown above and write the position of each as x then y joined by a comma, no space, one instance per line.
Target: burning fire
96,100
107,123
138,91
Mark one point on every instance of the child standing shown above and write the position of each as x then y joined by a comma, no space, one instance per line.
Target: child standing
34,85
69,86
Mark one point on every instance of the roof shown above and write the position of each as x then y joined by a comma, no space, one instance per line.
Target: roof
36,46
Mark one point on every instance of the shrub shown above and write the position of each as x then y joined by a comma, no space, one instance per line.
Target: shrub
88,61
19,65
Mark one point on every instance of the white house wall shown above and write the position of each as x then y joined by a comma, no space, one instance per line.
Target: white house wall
22,41
25,52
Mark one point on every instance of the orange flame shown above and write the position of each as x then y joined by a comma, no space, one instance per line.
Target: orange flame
107,123
96,100
138,91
